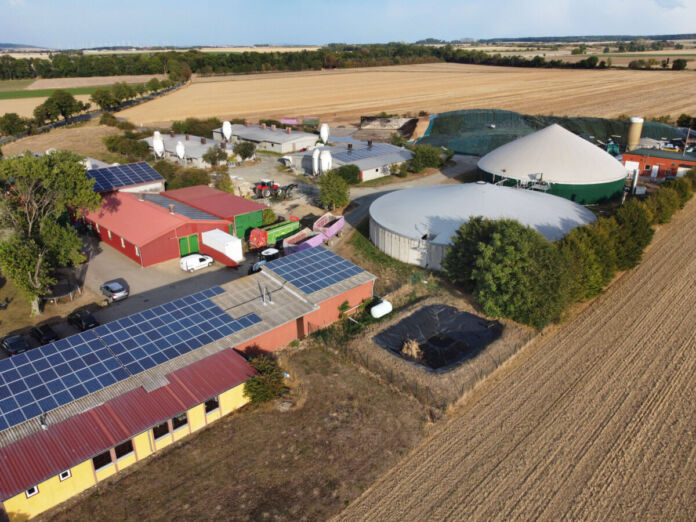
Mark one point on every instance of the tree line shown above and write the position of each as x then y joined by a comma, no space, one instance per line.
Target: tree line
513,271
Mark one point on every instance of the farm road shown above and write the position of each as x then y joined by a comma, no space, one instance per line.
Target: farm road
594,420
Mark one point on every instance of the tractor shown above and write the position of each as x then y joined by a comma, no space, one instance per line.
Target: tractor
267,188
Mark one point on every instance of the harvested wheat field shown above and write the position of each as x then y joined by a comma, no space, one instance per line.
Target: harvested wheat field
595,421
344,95
85,139
25,106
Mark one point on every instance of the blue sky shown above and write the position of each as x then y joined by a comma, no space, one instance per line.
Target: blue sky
90,23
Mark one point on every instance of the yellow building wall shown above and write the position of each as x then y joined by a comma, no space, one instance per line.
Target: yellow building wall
105,472
51,493
196,416
142,445
126,461
163,442
212,416
232,399
181,432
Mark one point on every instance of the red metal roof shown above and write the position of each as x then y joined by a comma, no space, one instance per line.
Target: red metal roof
45,454
137,221
213,201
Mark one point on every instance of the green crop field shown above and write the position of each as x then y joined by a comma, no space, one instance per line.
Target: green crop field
41,93
12,85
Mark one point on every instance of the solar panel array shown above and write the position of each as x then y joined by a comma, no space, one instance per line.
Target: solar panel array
378,149
112,178
313,269
42,379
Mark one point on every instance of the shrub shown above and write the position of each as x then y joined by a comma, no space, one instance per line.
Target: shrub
268,217
215,155
683,188
663,204
350,174
244,149
108,119
333,190
223,181
197,127
634,234
425,156
459,263
267,384
679,64
603,233
400,171
585,265
397,139
189,177
128,144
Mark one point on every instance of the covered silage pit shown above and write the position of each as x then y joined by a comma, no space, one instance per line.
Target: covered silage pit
416,225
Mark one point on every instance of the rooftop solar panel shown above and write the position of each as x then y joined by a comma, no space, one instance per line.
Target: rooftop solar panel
119,176
313,269
378,149
42,379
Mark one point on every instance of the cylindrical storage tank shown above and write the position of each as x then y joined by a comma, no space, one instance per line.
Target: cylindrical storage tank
381,309
325,161
324,133
315,161
635,129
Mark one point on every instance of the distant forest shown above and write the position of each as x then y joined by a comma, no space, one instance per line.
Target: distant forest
180,65
593,38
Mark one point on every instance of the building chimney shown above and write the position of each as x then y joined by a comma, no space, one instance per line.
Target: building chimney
263,126
171,208
246,123
288,130
202,140
350,146
369,143
273,127
187,137
171,133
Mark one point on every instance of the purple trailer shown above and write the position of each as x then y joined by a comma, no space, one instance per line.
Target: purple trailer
304,239
329,225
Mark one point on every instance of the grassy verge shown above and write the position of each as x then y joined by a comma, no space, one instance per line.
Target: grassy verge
343,430
43,93
13,85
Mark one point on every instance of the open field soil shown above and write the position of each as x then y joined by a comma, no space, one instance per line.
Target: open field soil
344,95
25,106
86,139
594,420
343,430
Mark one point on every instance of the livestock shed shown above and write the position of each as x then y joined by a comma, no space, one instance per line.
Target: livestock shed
242,213
657,163
79,410
373,160
268,137
556,161
131,177
416,225
194,147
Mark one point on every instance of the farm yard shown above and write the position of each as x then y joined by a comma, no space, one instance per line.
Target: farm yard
593,420
344,95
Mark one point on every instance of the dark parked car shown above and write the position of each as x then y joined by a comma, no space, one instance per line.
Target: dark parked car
114,291
44,334
14,344
82,320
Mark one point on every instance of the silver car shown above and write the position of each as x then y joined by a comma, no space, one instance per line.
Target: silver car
114,291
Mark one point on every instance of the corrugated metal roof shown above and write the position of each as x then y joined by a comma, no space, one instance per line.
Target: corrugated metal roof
193,147
179,208
256,133
48,452
664,154
213,201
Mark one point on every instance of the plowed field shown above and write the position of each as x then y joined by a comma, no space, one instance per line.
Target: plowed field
344,95
596,421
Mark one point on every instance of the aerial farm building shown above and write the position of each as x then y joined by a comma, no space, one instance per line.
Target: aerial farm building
657,163
268,137
556,161
76,411
374,161
194,147
132,177
416,225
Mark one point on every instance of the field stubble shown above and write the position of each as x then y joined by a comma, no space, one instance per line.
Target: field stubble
593,420
343,95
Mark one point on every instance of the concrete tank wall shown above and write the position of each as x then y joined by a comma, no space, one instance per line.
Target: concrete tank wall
418,252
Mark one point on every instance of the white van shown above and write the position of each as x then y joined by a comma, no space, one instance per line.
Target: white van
194,262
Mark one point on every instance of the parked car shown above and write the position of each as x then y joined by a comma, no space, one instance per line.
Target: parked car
194,262
14,344
44,334
114,291
82,320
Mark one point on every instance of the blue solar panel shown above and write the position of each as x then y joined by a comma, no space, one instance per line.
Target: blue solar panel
313,269
112,178
45,378
378,149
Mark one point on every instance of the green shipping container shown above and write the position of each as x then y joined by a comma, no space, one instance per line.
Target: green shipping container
243,223
281,231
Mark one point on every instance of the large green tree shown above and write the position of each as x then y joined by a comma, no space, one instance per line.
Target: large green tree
12,124
333,190
215,155
104,98
244,149
66,103
634,234
39,192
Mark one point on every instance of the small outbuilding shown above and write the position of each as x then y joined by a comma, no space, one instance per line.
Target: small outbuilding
194,147
416,225
556,161
131,177
657,163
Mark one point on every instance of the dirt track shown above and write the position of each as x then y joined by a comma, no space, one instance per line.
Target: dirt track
595,421
343,95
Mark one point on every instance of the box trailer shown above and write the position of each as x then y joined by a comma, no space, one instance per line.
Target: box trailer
304,239
224,243
270,235
329,225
